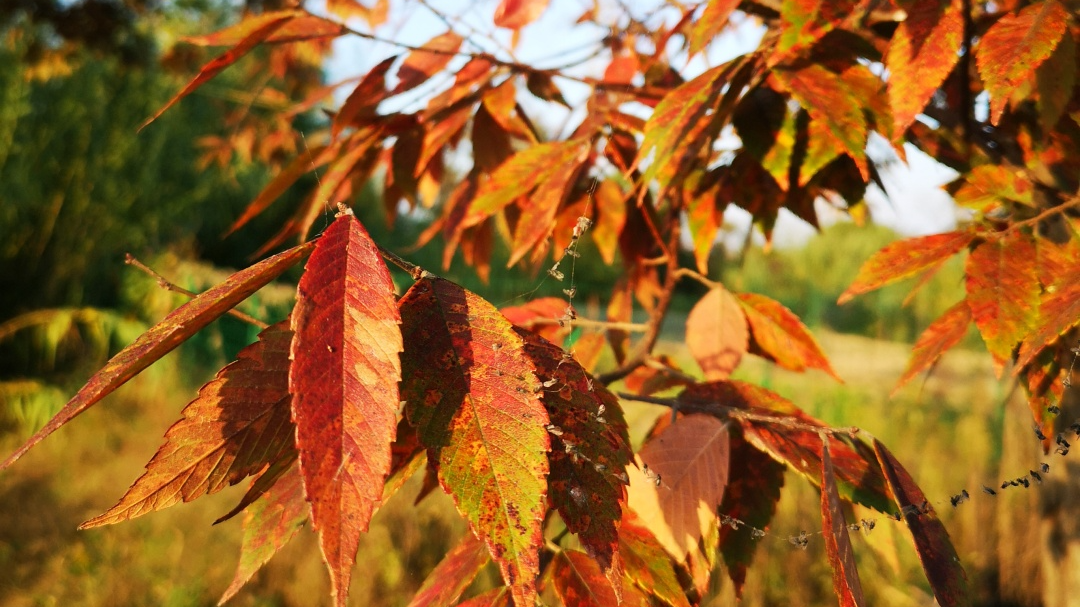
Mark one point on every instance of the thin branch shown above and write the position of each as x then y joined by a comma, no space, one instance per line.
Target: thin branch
698,276
636,327
130,260
718,410
411,268
1061,208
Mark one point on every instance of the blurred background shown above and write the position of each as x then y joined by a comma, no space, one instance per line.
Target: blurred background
79,188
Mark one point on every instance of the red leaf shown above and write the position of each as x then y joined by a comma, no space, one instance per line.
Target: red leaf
590,449
516,14
710,23
777,334
344,382
300,26
690,461
1012,49
828,99
538,210
238,424
452,575
173,330
521,174
211,69
837,542
922,53
716,333
939,560
985,186
543,308
496,597
471,394
270,523
904,259
646,564
752,494
1003,292
774,429
940,336
365,98
580,583
426,61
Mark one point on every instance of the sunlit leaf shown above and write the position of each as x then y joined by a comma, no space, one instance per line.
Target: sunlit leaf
846,582
921,55
344,382
828,99
940,336
1014,47
270,523
538,210
610,216
804,22
904,259
579,582
1003,293
777,334
425,62
496,597
308,160
540,316
173,330
365,98
452,575
717,334
590,449
1059,311
752,494
211,69
647,565
301,25
687,471
516,14
471,393
711,22
939,559
988,184
238,425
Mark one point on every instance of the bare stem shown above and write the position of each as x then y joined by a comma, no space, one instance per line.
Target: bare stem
130,260
588,322
414,270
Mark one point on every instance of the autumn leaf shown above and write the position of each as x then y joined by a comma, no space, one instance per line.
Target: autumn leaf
647,565
426,61
774,428
1014,47
211,69
804,22
751,496
1055,79
716,333
579,582
610,216
238,425
516,14
939,559
904,259
1003,293
837,542
344,382
940,336
828,99
987,185
471,393
365,98
309,160
777,334
1058,312
687,470
301,25
590,449
540,316
711,22
166,335
496,597
452,575
269,524
922,53
538,210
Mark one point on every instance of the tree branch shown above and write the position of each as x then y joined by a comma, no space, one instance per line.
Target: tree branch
130,260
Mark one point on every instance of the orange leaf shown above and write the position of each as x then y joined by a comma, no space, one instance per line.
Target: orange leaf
238,425
309,160
942,334
211,69
710,23
496,597
610,218
365,98
471,393
1055,79
271,522
590,448
687,471
777,334
542,308
922,53
837,542
827,98
904,259
716,333
647,565
163,337
804,22
452,575
538,210
301,26
1059,311
580,583
344,382
1011,50
939,559
516,14
426,61
1003,293
703,214
988,184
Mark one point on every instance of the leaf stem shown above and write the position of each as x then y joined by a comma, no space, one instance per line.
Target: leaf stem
588,322
130,260
411,268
